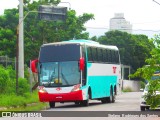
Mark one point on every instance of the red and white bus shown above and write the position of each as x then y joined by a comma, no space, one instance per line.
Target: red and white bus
77,71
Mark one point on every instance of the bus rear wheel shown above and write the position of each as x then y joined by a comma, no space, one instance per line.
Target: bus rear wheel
104,100
111,98
52,104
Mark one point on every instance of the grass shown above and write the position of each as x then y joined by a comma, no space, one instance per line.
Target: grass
28,102
127,89
35,107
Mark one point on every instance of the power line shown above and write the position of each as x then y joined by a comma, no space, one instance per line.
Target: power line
97,28
156,2
151,22
106,28
146,30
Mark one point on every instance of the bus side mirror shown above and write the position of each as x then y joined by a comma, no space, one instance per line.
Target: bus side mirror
81,64
34,66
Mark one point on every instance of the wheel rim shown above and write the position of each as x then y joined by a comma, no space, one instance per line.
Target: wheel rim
88,99
111,96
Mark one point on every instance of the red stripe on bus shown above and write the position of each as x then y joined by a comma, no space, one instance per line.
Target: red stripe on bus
62,97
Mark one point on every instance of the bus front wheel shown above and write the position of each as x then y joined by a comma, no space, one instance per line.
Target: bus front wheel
52,104
86,102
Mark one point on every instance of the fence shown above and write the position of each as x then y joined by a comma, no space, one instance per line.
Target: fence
6,61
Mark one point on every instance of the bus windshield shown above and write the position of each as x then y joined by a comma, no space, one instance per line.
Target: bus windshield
57,74
58,65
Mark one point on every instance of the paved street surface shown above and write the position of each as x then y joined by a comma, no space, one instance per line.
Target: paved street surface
124,102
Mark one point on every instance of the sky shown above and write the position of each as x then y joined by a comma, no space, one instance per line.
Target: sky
144,15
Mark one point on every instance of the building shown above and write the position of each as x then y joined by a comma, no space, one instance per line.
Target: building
118,22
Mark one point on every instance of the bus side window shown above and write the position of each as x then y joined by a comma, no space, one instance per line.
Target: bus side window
84,76
117,56
100,55
104,55
113,56
94,53
90,56
109,56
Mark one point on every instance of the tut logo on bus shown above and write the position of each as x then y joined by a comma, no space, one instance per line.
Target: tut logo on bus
114,69
58,89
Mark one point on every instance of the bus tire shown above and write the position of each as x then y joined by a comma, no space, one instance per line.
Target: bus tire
77,103
111,98
52,104
86,102
114,96
104,100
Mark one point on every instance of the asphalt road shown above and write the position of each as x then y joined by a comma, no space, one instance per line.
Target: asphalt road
124,102
129,101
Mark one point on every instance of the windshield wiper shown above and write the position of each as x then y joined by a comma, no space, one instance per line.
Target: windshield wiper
64,78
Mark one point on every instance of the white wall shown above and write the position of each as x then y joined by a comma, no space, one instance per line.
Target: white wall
134,85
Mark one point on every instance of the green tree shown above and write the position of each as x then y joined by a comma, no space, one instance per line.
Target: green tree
134,49
146,72
8,24
38,32
94,38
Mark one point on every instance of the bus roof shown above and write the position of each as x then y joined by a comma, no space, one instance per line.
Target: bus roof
84,42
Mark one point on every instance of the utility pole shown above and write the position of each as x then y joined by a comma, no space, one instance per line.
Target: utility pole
61,14
21,42
156,2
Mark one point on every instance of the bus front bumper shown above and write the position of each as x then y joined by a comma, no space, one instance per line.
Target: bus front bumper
61,97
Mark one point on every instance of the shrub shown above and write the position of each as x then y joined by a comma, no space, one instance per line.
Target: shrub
11,86
142,84
11,72
23,86
4,77
8,82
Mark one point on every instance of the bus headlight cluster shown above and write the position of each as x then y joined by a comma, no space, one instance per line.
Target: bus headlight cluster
41,89
76,88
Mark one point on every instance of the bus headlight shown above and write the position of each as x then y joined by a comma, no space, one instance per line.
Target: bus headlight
41,89
76,88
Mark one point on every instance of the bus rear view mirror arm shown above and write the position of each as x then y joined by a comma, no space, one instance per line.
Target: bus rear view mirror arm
34,66
81,63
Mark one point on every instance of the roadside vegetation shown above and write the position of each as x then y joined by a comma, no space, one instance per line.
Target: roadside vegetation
147,71
23,99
